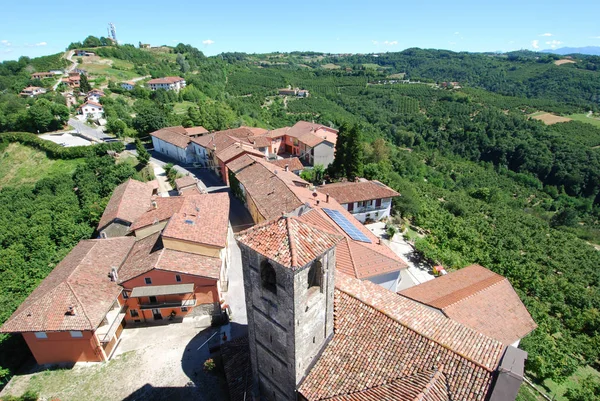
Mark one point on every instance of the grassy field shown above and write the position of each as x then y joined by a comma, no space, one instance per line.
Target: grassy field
558,390
21,165
582,117
182,108
116,69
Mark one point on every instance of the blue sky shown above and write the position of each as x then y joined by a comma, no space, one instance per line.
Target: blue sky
39,27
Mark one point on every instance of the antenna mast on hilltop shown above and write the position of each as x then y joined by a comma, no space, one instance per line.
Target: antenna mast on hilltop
112,32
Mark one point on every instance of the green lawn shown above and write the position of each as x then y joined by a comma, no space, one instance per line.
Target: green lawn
22,165
182,108
582,117
559,390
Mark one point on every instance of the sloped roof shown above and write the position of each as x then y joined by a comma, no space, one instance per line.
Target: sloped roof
271,195
202,219
278,132
288,241
177,136
165,80
237,165
349,192
81,280
165,208
480,299
260,141
411,341
199,130
128,202
236,149
149,253
293,163
312,134
185,181
220,140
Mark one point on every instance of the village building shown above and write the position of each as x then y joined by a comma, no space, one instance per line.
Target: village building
32,91
128,202
187,184
379,345
94,95
76,313
84,53
269,191
292,164
91,109
477,298
175,142
43,75
366,200
73,80
167,83
128,85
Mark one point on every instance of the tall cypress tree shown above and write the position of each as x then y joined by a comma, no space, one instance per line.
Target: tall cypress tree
354,154
337,168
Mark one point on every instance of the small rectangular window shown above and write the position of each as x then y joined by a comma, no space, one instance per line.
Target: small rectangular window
184,309
148,280
178,278
76,334
125,294
41,334
133,312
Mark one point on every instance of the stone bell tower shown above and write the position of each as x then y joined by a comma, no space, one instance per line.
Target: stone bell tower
289,273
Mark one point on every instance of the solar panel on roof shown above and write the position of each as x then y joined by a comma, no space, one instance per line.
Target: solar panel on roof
346,225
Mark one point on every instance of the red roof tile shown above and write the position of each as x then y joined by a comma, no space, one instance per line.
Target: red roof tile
128,202
237,165
193,131
312,134
477,298
165,208
201,219
293,163
349,192
149,253
380,338
288,241
174,135
81,280
236,149
186,181
260,141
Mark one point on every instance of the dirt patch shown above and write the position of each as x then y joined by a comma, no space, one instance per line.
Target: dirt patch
564,61
549,118
330,66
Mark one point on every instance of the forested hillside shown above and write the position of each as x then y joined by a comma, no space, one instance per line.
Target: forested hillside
452,132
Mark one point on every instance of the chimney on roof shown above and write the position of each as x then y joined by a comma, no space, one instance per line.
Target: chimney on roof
287,167
154,205
71,311
114,276
327,198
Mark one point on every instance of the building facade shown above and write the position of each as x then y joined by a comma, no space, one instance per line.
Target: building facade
167,83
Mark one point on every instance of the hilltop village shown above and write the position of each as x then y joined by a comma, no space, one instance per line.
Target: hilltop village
326,308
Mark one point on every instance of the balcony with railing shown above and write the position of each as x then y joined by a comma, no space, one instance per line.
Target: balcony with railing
171,304
371,208
109,326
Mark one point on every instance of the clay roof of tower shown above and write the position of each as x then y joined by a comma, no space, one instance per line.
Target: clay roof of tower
128,202
288,241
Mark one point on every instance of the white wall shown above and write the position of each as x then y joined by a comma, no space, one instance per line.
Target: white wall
374,213
169,149
388,281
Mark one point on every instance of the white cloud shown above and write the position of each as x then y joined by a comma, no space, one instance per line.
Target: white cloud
535,44
208,42
5,43
390,43
41,44
594,37
452,43
554,43
375,42
546,34
457,33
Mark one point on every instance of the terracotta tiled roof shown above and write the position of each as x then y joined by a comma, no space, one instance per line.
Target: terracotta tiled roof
165,208
256,130
236,149
185,181
90,103
260,141
381,338
278,133
128,202
220,140
174,135
81,280
429,385
293,163
201,219
356,258
312,134
288,241
165,80
192,131
149,253
349,192
271,195
237,165
480,299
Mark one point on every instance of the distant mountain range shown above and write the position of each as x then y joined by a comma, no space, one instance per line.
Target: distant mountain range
590,50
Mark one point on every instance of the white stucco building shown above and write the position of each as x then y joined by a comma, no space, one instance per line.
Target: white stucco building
175,142
91,110
167,83
364,199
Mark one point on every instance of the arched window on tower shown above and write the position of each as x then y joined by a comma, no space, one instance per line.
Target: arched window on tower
315,275
268,277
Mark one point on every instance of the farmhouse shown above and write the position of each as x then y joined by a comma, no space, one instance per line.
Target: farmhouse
91,109
175,142
129,85
167,83
311,143
94,95
73,80
352,339
42,75
364,199
32,91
